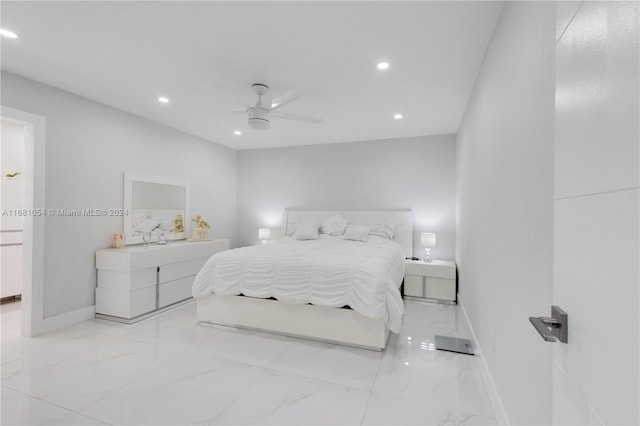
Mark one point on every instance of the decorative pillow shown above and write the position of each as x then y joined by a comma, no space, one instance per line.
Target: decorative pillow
384,230
357,233
306,220
306,231
148,225
334,225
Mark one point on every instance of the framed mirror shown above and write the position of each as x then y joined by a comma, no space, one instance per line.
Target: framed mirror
156,205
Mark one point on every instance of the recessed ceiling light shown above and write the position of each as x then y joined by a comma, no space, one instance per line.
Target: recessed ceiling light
237,132
8,33
397,116
383,65
163,100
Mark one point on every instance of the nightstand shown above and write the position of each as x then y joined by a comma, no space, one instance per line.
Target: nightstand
430,280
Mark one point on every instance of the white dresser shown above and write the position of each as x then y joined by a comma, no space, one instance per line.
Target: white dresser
430,280
137,281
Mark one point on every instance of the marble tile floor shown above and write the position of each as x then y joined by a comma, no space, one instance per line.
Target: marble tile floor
170,370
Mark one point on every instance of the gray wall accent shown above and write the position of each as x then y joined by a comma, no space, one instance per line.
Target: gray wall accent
416,173
89,146
505,210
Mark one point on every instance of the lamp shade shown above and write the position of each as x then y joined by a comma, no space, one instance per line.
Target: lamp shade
264,233
428,239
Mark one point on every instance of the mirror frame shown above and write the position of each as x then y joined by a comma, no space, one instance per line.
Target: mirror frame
129,178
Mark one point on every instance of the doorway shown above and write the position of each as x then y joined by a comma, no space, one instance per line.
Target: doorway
12,153
32,184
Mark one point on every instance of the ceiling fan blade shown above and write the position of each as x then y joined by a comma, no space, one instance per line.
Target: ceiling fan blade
281,101
296,117
213,111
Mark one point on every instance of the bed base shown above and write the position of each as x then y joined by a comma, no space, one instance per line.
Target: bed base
334,325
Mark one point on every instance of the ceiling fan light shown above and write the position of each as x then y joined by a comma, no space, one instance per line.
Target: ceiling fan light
259,118
259,123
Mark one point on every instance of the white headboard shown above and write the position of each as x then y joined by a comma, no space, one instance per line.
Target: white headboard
403,219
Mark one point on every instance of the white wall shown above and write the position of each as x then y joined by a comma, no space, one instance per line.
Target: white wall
505,216
596,232
416,173
88,147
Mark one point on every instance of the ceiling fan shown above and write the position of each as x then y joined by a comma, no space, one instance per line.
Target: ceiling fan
259,115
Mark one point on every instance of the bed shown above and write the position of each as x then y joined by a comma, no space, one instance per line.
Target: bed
327,289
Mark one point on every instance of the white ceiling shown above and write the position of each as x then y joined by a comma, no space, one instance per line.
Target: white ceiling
205,55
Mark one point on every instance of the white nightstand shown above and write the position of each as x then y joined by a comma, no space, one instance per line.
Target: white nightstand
430,280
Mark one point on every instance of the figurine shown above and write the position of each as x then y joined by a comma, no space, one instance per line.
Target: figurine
201,232
119,240
178,223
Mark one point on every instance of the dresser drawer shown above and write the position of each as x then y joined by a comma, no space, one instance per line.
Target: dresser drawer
175,291
413,286
125,304
127,281
430,269
440,288
179,270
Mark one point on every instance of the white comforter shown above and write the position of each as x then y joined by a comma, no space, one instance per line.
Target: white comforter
329,271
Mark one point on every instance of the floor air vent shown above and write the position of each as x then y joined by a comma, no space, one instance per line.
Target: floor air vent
454,344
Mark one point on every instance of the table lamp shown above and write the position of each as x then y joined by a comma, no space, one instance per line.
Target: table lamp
428,241
264,234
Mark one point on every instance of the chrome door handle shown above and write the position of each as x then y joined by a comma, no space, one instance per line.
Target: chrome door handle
554,328
541,324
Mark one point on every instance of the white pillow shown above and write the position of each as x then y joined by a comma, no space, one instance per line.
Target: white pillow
334,225
148,225
357,233
384,230
306,231
306,220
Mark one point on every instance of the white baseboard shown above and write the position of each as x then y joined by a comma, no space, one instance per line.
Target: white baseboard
489,384
64,320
